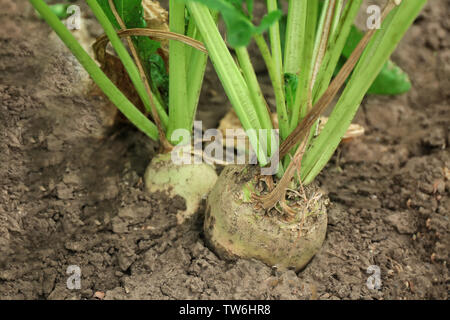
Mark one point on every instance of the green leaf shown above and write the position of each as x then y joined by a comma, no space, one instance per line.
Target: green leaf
159,76
126,59
392,80
249,4
132,14
268,20
240,28
353,39
107,10
59,9
239,5
290,85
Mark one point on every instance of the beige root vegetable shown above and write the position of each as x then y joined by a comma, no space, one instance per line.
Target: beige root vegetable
234,227
190,181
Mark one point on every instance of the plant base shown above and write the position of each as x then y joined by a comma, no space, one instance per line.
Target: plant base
193,182
234,228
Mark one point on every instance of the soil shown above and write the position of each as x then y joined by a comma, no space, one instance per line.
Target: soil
71,190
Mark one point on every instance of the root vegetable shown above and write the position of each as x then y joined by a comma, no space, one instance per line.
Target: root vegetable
191,181
236,228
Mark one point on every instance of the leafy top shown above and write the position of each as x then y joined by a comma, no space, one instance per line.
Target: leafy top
238,15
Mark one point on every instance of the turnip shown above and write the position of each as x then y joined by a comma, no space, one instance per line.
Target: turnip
236,227
193,182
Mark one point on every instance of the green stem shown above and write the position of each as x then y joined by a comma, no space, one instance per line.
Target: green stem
111,91
257,96
275,41
337,16
371,62
295,36
277,71
178,97
313,66
300,105
322,36
196,66
229,74
196,71
262,109
191,32
337,44
277,83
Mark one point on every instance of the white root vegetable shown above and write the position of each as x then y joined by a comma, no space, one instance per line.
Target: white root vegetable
193,182
235,228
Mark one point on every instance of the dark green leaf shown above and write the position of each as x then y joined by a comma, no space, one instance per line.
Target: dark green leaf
60,10
268,20
159,76
249,4
392,80
290,84
240,28
132,14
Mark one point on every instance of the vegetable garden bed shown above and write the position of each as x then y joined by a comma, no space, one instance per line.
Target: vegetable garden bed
71,190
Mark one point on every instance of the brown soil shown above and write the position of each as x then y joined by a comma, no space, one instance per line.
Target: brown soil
71,191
